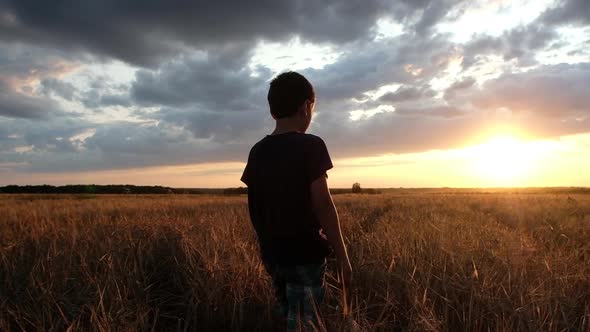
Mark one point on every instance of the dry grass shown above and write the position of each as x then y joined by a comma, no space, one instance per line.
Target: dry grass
422,262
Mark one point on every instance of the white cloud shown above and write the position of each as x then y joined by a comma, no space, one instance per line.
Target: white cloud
492,17
357,115
573,46
293,54
23,149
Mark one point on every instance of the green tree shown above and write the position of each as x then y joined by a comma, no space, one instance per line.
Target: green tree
356,187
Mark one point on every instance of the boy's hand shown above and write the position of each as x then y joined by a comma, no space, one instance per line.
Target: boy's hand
327,215
345,274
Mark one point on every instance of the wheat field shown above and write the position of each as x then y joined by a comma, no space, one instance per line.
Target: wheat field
421,262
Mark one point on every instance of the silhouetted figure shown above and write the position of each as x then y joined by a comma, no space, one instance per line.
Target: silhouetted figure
290,205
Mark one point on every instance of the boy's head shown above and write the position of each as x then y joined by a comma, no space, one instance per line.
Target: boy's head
291,96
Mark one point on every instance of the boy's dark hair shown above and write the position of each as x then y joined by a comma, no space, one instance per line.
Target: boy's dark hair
287,93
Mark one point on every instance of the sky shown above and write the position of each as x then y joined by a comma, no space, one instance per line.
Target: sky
410,93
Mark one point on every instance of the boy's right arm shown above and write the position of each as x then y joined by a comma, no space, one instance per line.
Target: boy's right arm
328,217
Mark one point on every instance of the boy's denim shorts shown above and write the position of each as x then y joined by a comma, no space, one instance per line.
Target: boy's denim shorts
299,290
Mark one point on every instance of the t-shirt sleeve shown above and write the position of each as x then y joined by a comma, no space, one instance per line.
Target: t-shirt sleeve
318,160
247,174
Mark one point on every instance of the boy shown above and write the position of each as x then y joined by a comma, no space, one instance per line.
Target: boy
290,205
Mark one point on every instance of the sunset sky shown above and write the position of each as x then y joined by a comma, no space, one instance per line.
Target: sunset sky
409,93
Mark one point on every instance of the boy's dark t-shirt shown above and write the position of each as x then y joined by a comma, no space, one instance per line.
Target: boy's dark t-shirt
278,174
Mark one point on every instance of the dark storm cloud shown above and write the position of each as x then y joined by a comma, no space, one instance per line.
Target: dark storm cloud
524,41
115,100
204,79
225,103
213,97
520,43
117,145
568,12
221,127
458,87
47,139
146,33
555,91
63,89
143,32
368,66
95,100
421,16
432,13
20,67
101,92
128,138
23,61
14,104
405,93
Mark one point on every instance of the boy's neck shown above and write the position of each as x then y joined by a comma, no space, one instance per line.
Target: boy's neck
284,126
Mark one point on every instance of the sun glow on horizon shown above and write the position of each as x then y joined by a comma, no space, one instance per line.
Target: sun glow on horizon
503,158
507,160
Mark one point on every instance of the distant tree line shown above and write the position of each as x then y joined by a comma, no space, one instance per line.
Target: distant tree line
95,189
356,189
132,189
235,191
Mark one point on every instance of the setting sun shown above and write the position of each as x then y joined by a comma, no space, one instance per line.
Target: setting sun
502,158
506,160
